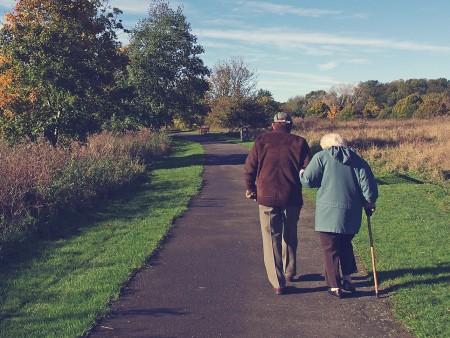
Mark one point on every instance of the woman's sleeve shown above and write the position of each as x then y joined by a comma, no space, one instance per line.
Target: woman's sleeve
368,183
312,176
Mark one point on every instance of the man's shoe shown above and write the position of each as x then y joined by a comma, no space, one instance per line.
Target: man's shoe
348,286
335,293
279,291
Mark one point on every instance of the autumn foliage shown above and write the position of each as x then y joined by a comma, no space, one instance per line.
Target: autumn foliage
58,63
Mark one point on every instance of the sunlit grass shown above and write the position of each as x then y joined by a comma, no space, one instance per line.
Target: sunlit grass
61,287
411,234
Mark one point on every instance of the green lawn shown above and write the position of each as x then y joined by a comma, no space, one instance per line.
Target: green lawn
411,239
60,287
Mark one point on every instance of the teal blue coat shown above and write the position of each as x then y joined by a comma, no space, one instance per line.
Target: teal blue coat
345,183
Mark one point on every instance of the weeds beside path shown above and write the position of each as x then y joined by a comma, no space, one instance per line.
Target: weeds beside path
61,287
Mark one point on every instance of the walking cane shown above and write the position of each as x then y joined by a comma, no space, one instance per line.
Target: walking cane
372,251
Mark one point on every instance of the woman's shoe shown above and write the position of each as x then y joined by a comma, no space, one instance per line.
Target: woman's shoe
289,278
348,286
335,293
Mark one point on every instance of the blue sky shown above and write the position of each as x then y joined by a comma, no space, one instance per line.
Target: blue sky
296,47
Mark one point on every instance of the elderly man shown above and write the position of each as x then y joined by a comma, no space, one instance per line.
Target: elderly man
272,179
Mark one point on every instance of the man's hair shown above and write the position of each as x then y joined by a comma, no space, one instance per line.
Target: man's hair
329,140
282,126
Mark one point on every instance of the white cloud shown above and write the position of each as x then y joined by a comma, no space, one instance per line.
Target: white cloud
334,64
328,65
286,9
287,38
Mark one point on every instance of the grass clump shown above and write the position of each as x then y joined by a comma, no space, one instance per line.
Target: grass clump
59,288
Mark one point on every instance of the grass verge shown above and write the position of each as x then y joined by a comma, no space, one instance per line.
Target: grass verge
410,234
59,288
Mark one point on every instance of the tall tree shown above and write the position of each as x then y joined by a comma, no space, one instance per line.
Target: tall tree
337,98
295,106
312,98
233,98
232,78
433,104
58,62
165,69
438,86
407,106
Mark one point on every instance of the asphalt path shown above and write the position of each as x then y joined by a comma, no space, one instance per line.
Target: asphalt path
208,279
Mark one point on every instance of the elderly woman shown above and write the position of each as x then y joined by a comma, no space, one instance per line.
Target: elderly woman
346,186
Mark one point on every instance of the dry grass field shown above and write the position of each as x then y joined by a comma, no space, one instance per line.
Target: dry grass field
414,147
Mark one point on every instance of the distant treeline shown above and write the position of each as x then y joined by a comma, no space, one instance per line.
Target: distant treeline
422,98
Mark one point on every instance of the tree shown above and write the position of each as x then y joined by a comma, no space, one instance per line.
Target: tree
337,98
371,109
319,109
295,106
232,78
266,107
348,112
372,91
438,86
407,107
433,104
167,74
58,64
417,86
232,91
313,98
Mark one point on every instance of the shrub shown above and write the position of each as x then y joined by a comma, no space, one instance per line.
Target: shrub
39,180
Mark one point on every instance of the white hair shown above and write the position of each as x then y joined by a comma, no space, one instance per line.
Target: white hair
329,140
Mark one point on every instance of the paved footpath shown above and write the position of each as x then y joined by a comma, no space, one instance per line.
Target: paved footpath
208,280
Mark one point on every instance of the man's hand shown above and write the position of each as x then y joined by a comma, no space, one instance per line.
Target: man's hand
250,194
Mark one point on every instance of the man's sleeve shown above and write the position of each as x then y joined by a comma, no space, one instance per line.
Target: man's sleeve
251,169
306,154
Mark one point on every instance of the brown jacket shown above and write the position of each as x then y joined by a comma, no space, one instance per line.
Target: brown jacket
272,168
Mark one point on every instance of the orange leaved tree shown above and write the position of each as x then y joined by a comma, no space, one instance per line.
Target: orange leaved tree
58,62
